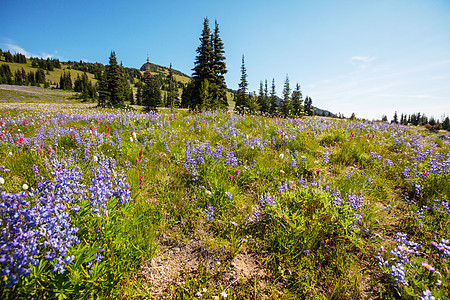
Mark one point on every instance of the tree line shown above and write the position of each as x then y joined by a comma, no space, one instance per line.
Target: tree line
48,64
268,103
418,119
20,77
13,58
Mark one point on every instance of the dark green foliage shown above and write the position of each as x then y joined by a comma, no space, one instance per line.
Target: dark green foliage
85,87
395,119
5,74
262,98
65,81
139,92
308,106
114,82
219,68
20,77
286,105
16,58
209,65
241,95
172,93
102,87
273,99
113,86
151,92
297,102
39,76
203,68
46,64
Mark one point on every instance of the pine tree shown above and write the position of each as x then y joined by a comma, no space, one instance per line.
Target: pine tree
203,65
219,68
151,92
286,105
114,82
297,102
102,87
172,94
262,99
241,95
308,106
395,119
273,99
139,93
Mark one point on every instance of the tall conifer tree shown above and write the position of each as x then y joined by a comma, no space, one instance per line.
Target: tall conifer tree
286,106
219,68
114,82
243,85
297,101
273,99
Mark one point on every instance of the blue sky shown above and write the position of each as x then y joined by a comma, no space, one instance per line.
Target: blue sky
367,57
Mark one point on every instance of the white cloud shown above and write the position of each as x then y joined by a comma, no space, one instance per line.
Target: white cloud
17,49
14,48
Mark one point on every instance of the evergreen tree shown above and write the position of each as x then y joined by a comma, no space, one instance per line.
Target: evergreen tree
273,99
65,81
219,68
151,92
395,119
308,106
203,65
286,105
5,74
446,124
297,102
241,95
172,94
252,103
262,98
102,87
39,76
139,93
114,82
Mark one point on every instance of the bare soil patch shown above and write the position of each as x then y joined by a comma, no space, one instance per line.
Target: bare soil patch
176,262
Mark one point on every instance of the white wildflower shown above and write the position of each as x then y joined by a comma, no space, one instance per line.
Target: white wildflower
95,158
281,155
25,186
131,139
223,294
2,181
204,290
198,294
134,135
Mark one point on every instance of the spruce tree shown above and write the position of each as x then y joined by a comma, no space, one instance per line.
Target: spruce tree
114,82
151,92
102,87
139,93
273,99
262,98
297,101
241,95
172,94
203,65
286,105
308,106
219,67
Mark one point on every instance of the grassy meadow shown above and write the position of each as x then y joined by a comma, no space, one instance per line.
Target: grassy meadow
107,204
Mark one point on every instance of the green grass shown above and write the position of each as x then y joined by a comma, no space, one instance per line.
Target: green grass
289,220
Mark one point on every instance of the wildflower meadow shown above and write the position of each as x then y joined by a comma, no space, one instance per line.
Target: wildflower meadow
107,204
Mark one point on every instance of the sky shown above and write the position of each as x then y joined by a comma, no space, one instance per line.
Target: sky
370,58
